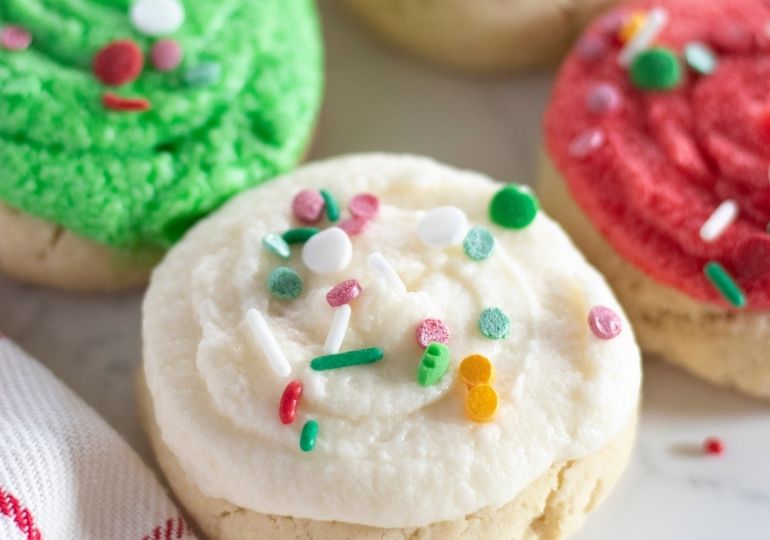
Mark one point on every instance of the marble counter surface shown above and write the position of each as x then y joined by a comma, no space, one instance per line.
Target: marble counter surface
378,100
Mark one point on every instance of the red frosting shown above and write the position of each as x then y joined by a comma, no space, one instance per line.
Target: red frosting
665,160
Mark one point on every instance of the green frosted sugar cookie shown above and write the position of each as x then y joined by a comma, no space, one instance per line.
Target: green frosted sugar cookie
131,179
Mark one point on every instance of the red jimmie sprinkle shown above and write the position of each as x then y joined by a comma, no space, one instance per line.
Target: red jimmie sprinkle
117,103
431,331
118,63
714,446
287,411
364,205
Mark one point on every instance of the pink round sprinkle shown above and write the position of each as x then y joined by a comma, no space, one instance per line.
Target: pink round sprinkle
15,38
431,331
364,205
166,54
354,226
343,293
308,206
586,142
604,323
591,47
603,98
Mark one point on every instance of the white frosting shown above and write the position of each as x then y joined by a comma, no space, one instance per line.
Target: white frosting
390,453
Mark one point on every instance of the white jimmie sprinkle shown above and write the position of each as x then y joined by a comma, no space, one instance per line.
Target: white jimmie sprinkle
719,221
265,340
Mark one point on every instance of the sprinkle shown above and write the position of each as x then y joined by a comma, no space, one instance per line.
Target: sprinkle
337,330
346,359
752,258
724,283
308,437
299,235
380,266
654,22
434,363
603,98
284,283
332,208
431,331
494,324
15,38
586,143
591,47
118,62
476,369
157,17
117,103
631,26
364,205
481,403
308,206
166,54
265,340
513,207
714,446
478,244
276,245
343,293
442,227
719,221
700,58
656,69
328,251
354,226
604,322
203,74
287,410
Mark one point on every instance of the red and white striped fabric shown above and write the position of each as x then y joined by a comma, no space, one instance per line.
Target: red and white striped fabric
64,473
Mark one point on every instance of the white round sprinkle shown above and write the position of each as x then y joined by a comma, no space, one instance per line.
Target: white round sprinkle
157,17
265,340
719,221
328,251
653,24
442,227
380,266
337,330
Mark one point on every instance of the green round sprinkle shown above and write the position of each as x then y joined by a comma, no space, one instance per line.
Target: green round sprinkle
332,208
724,283
700,58
276,245
656,69
478,244
350,358
284,283
299,235
434,363
494,324
202,74
513,208
308,436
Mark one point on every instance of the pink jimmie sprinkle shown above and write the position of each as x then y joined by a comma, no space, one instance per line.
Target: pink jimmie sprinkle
364,205
308,206
354,226
15,38
586,142
604,323
431,331
343,293
166,54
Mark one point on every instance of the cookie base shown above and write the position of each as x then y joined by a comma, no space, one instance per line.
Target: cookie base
551,508
725,347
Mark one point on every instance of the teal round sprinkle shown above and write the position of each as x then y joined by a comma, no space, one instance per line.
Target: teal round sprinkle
202,74
700,58
299,235
309,435
284,283
494,324
478,244
724,283
332,207
656,69
350,358
513,207
276,245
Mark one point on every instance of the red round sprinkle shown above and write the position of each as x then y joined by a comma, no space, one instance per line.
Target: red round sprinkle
354,226
15,38
364,205
287,411
117,103
604,323
343,293
431,331
308,206
166,54
119,62
713,446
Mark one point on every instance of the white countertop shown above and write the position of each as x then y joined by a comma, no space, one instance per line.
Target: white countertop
378,100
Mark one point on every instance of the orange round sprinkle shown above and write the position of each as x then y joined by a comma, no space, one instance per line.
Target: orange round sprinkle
631,26
477,369
481,403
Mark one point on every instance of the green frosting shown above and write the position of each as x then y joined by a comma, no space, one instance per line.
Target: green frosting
141,179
